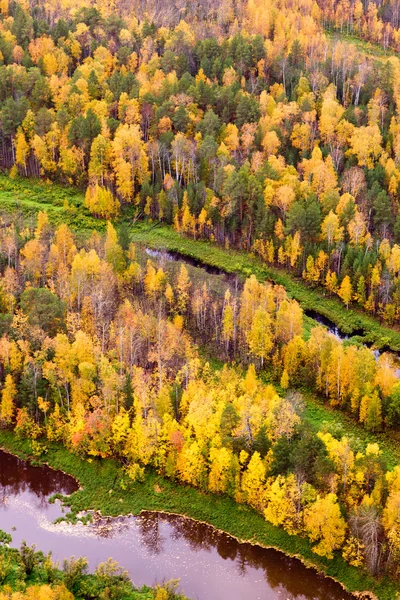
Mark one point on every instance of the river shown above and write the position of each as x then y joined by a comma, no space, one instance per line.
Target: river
219,280
152,547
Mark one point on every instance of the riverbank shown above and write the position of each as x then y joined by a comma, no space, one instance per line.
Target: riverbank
350,322
44,578
66,205
101,491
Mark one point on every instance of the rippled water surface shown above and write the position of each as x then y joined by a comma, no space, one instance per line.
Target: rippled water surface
152,547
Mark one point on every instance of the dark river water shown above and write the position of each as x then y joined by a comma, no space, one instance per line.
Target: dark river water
152,547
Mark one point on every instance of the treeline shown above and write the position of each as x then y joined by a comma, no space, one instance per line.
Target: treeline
98,353
27,574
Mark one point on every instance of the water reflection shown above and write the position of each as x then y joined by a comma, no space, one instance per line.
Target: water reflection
17,476
153,547
282,574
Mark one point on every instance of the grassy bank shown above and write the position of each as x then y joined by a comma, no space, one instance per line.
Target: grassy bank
87,585
233,261
27,197
321,416
65,205
101,490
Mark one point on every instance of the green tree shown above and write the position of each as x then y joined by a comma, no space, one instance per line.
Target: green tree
44,309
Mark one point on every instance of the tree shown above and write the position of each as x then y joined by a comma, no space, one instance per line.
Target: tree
259,338
99,159
183,285
371,411
331,229
33,255
248,110
44,309
366,145
113,251
228,324
366,524
21,151
289,321
283,500
220,470
253,482
391,514
84,130
345,291
190,465
130,160
101,202
74,570
8,395
324,524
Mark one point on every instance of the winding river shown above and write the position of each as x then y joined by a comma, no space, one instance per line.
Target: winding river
218,280
152,547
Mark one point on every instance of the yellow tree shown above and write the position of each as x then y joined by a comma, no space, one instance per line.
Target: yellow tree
253,482
183,285
331,230
21,151
130,159
113,252
259,338
289,321
345,291
99,159
220,471
283,500
7,399
366,145
101,202
191,465
385,377
331,113
391,514
357,229
33,258
325,525
331,281
371,411
228,325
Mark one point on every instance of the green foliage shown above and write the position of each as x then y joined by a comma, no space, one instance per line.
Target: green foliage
5,538
311,299
44,309
99,476
109,582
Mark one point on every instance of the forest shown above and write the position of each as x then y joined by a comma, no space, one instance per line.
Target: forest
102,354
269,127
268,135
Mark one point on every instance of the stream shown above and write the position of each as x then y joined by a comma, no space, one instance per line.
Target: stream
163,257
218,280
152,547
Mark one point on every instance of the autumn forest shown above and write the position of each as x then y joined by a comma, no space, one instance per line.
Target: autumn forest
267,129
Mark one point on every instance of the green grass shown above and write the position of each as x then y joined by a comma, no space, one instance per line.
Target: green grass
364,46
30,196
101,490
245,264
323,416
63,205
